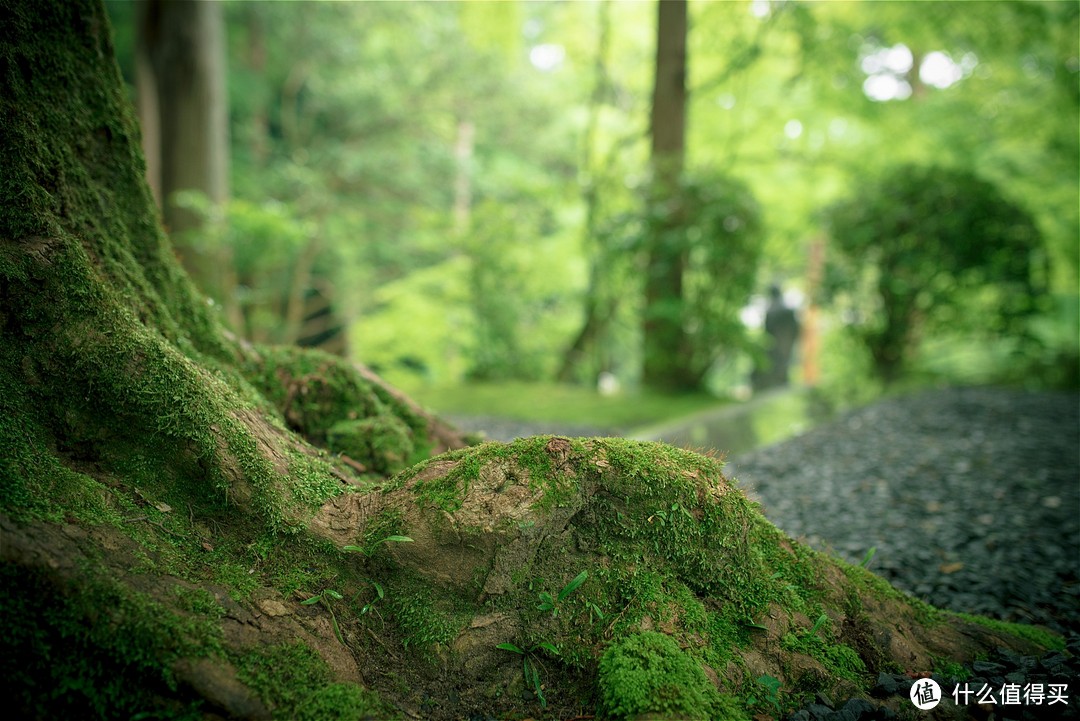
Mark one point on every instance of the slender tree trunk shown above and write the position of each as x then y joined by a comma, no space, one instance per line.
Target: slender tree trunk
184,46
299,285
597,310
148,109
663,335
181,80
811,340
256,61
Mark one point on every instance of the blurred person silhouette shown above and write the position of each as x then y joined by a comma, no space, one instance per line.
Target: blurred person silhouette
782,330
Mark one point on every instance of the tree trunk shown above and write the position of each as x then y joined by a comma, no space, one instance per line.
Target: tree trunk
184,45
664,339
598,309
180,58
256,62
108,351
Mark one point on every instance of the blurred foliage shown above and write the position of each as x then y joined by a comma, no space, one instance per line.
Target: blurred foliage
925,246
547,402
518,294
718,235
346,123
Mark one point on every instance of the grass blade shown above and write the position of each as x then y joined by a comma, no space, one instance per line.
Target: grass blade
573,585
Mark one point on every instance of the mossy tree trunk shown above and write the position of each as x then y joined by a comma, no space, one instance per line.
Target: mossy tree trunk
108,350
194,527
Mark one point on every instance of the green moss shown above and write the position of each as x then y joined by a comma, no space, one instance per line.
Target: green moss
445,491
198,601
647,673
96,651
298,685
660,502
1035,634
423,620
384,442
839,659
387,523
321,395
951,670
863,581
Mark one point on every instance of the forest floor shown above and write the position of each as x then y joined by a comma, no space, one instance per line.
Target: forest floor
968,495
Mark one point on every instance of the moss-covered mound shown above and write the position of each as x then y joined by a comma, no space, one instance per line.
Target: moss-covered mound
575,550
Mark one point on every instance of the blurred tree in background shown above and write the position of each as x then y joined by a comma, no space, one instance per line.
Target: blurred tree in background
453,191
717,240
926,245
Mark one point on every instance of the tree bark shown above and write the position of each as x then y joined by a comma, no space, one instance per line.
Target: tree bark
181,75
664,339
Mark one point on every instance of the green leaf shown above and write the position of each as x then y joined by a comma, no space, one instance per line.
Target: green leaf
770,682
399,539
511,647
869,555
573,585
549,647
547,603
532,676
311,601
337,629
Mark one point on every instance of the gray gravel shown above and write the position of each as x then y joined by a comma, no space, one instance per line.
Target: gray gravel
970,496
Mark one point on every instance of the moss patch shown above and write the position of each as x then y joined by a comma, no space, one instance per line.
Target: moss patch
299,686
647,674
101,651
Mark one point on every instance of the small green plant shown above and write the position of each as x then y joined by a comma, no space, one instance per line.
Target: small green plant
951,670
865,563
370,605
369,550
666,517
821,621
324,598
766,693
550,603
595,614
529,665
838,658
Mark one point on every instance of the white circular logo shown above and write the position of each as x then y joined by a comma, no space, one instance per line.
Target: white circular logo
925,694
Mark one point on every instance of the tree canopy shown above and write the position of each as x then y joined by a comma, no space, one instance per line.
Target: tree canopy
499,149
925,239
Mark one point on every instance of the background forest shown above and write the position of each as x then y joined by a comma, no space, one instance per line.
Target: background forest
465,194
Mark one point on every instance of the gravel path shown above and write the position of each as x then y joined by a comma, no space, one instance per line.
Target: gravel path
970,496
